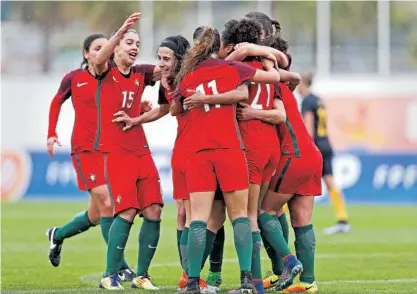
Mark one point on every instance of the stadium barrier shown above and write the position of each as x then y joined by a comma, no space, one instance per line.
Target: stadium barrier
387,178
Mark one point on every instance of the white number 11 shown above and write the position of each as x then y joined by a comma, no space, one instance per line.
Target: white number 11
213,86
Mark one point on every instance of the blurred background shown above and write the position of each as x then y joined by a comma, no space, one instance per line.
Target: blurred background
364,54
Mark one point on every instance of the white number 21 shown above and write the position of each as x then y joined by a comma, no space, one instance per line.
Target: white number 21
258,94
212,85
127,99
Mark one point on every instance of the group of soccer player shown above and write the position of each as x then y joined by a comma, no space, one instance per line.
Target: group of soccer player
241,148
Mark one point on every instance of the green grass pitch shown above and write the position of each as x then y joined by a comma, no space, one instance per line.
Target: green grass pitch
378,256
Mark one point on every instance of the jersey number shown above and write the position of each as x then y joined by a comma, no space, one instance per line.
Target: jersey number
322,122
213,86
127,99
255,103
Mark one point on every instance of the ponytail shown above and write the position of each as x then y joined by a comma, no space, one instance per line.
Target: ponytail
207,44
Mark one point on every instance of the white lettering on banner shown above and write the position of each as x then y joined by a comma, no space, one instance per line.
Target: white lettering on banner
395,176
61,173
347,170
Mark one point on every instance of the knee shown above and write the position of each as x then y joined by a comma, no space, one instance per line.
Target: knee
94,216
128,214
153,211
300,218
181,214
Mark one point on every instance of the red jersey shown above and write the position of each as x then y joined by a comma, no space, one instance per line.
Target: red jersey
256,133
184,120
81,86
119,92
294,137
215,126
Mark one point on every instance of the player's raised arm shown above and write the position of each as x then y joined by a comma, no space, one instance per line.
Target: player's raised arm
250,50
64,92
100,62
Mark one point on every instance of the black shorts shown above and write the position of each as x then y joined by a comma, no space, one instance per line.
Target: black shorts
327,164
219,194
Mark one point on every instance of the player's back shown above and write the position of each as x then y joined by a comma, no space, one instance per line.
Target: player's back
295,140
256,133
213,126
83,92
314,104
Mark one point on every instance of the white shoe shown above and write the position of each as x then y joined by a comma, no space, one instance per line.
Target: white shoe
337,228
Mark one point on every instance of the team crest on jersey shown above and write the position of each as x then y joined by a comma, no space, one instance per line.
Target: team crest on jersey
93,178
119,199
137,83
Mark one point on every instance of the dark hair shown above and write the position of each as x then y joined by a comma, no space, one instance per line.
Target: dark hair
243,30
179,45
207,44
197,33
280,44
265,22
86,47
277,27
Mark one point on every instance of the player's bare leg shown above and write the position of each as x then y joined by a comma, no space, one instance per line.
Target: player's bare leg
148,242
237,210
301,211
272,231
339,206
201,205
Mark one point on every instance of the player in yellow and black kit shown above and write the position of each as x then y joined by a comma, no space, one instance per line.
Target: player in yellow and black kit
315,119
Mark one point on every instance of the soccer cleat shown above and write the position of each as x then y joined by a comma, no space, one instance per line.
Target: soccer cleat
54,247
270,280
182,282
246,286
340,227
143,282
292,268
193,286
126,275
301,287
214,279
111,283
259,286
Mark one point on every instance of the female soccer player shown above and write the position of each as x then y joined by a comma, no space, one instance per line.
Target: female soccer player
259,137
130,171
80,84
216,148
297,177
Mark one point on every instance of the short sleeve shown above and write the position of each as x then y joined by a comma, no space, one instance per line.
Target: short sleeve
308,104
246,72
277,91
147,71
162,99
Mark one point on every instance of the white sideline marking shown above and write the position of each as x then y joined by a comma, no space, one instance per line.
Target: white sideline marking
226,285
